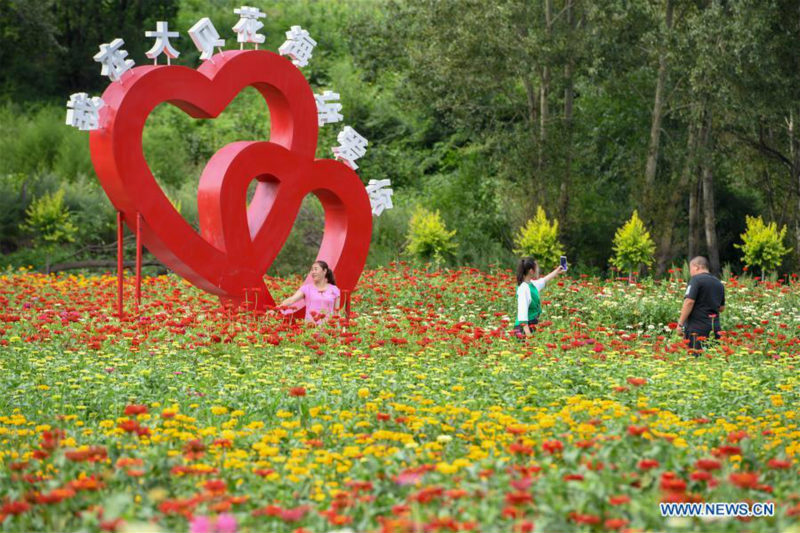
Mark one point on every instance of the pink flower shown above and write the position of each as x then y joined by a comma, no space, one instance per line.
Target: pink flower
200,524
226,523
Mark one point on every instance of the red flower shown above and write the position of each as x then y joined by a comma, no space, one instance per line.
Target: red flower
15,508
619,500
552,446
708,464
456,494
637,382
647,464
294,515
736,436
637,430
779,464
700,476
673,485
129,426
518,498
573,477
297,391
727,450
588,519
519,448
522,484
215,486
133,410
616,523
269,510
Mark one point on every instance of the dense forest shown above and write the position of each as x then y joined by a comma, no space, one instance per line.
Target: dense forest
686,111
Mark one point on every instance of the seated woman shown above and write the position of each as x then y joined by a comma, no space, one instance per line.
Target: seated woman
529,305
321,296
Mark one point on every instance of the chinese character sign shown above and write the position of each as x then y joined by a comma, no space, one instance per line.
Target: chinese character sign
298,46
247,27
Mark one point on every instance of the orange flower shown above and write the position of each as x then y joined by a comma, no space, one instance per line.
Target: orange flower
744,480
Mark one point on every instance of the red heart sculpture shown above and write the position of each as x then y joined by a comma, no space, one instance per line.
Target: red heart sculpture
236,244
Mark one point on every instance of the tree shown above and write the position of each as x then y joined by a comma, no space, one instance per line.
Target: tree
49,223
539,239
428,238
762,245
633,246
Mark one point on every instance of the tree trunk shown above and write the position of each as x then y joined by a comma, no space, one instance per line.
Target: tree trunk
655,125
707,177
563,196
671,209
694,217
794,156
533,105
545,87
710,218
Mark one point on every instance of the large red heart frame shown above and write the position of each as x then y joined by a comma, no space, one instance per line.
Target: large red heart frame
237,243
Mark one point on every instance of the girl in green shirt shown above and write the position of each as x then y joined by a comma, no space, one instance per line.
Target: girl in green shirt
529,305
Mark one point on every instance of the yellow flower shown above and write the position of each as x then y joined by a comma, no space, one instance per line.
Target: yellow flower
363,392
219,410
445,468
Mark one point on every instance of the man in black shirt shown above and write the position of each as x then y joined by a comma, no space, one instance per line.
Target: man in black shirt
704,301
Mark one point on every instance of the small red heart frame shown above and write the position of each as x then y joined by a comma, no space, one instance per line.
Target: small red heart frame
237,243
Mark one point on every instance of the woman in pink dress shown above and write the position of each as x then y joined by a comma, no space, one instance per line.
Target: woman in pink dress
321,295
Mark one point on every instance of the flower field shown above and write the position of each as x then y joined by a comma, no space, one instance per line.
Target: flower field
422,414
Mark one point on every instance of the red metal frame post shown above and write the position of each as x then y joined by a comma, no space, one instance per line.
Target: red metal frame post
346,308
120,265
138,259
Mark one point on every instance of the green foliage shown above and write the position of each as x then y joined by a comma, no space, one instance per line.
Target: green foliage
47,45
539,239
48,220
762,244
428,238
633,246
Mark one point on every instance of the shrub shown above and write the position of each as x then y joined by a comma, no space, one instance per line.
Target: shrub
539,239
49,222
428,238
762,244
633,246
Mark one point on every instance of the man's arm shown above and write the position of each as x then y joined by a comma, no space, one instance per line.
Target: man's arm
686,310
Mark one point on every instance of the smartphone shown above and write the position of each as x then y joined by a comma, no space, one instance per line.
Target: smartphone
564,262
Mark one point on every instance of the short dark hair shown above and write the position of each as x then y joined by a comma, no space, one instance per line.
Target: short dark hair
700,262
